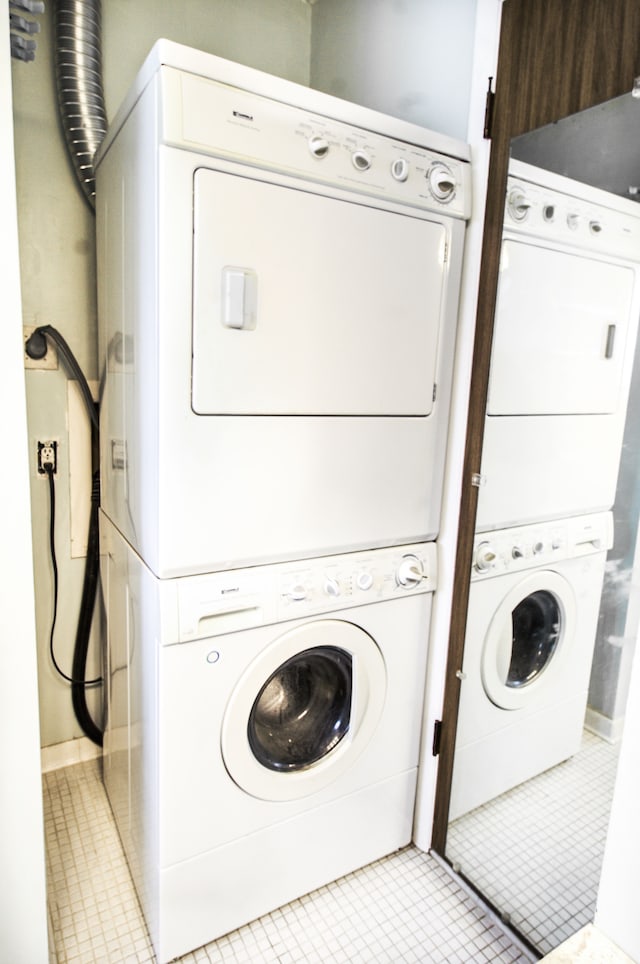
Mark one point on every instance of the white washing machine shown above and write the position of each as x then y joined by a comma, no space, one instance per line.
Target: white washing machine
263,727
563,346
531,625
278,276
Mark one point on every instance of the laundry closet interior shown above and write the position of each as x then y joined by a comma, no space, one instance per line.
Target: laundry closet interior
322,459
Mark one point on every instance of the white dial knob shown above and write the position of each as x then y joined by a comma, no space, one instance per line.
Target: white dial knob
573,221
538,547
332,586
297,592
518,204
484,557
442,182
400,169
595,227
318,145
361,161
364,581
517,553
410,572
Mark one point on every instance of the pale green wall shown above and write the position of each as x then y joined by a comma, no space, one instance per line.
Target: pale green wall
57,250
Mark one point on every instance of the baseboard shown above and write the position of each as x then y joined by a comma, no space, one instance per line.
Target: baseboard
66,754
604,727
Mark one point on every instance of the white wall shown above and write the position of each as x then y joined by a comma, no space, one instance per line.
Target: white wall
57,252
619,892
23,922
408,58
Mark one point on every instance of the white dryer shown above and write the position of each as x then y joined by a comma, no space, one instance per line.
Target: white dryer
563,348
278,278
263,727
531,625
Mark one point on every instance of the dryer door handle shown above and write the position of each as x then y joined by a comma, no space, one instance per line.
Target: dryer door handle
611,337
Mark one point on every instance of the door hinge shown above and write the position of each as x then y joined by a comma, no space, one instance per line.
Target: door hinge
488,112
437,731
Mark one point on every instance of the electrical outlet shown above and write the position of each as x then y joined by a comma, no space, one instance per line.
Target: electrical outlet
47,455
49,361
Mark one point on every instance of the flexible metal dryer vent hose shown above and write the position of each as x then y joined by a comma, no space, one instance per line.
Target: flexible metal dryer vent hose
78,59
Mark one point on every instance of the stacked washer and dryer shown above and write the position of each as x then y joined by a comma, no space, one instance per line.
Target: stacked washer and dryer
562,356
278,292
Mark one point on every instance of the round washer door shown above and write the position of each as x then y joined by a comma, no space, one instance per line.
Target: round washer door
304,710
529,639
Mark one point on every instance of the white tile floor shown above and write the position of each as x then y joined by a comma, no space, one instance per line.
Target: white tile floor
404,908
536,851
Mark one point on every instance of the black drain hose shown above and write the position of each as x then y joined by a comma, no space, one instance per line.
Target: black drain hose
85,618
36,347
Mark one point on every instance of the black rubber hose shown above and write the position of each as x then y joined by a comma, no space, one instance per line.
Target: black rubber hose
33,348
85,618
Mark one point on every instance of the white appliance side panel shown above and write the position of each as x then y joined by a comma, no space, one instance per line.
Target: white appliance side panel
537,467
311,305
561,333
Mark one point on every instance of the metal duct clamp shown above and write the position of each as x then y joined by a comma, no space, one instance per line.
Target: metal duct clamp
23,47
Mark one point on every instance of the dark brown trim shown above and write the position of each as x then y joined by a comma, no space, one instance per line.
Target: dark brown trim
556,57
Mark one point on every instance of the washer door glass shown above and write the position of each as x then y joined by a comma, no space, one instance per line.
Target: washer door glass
303,710
537,625
528,643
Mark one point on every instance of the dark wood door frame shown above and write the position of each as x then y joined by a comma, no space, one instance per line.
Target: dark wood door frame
556,57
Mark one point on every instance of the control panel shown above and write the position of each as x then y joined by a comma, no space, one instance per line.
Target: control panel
224,121
228,601
355,579
547,213
540,545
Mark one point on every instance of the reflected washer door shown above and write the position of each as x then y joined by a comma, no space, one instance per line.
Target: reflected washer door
304,710
529,641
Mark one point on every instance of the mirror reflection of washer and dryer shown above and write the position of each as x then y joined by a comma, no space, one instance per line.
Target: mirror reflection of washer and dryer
278,293
562,356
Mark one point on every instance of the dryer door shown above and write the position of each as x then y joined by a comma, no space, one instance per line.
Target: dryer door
527,646
311,305
304,710
561,333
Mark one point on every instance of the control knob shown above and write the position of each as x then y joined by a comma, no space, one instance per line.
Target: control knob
318,145
573,221
538,547
410,572
297,592
332,586
518,204
484,557
442,182
364,580
361,161
517,552
400,169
